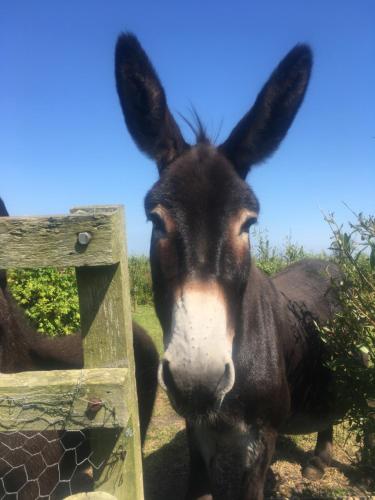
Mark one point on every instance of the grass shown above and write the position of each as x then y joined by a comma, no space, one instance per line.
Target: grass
166,456
145,316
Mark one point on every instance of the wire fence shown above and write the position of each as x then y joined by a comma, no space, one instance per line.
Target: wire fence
49,463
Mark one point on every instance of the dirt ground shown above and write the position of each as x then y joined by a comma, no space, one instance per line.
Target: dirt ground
166,464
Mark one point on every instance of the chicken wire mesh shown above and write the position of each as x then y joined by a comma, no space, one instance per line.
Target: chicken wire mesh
49,463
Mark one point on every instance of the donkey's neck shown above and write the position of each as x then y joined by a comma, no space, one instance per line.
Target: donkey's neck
262,306
260,360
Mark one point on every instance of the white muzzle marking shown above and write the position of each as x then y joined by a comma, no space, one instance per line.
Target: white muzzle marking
200,347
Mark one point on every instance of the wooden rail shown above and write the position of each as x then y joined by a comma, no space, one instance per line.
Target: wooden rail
62,399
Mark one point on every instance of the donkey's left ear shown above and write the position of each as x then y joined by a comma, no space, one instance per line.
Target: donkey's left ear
261,130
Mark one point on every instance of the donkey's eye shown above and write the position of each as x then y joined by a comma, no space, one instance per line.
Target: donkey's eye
247,224
158,225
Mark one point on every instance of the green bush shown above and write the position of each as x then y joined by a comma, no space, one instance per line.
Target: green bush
140,281
271,259
49,297
350,336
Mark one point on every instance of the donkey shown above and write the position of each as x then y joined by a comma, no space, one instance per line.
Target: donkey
242,359
24,349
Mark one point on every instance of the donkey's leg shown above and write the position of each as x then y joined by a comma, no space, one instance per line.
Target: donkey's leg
322,458
198,483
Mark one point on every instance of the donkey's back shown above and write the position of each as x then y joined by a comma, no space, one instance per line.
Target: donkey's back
307,284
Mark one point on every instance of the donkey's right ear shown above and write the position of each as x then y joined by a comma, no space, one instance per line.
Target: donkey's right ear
144,104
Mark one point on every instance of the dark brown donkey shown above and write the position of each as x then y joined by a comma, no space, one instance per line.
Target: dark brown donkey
33,464
242,359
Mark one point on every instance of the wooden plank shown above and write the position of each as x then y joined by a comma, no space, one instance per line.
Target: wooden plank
107,339
93,495
27,242
63,399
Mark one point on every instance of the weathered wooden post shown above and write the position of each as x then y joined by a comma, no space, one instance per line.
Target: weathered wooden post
101,397
105,318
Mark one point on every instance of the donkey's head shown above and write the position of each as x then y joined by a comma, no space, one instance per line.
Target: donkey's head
201,209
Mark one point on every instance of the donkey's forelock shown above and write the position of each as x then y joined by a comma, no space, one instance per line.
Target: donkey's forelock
197,126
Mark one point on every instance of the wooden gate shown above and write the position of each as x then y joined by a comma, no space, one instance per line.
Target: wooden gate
102,396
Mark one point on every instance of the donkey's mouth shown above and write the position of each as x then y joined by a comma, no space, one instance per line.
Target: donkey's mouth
191,401
195,406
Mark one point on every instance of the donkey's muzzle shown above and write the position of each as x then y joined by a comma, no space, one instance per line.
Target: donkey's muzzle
197,368
194,394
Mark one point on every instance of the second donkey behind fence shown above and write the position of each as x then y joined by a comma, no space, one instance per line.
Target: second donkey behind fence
37,464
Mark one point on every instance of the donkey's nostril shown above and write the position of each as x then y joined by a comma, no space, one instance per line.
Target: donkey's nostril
165,376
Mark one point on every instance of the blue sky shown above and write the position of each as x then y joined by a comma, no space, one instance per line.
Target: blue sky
64,143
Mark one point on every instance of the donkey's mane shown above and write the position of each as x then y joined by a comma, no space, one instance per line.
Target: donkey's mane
197,126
